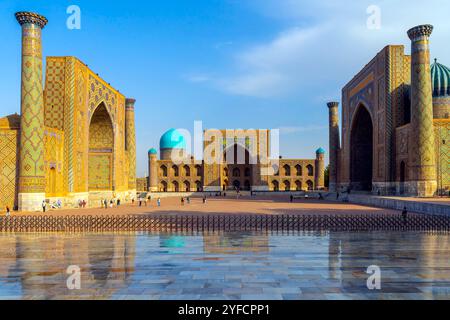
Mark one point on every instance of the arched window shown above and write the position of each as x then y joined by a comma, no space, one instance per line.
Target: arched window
187,186
310,170
198,186
175,186
275,185
298,185
247,172
298,170
236,172
286,170
163,186
198,171
287,185
163,171
310,185
187,171
175,171
247,185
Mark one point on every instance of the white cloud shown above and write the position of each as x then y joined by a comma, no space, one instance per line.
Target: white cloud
334,45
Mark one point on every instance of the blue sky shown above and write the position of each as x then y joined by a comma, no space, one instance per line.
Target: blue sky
229,63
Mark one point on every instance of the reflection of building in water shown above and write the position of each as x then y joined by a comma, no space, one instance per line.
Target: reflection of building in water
233,242
400,258
106,263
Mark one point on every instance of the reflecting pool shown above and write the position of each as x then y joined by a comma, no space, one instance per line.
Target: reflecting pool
328,265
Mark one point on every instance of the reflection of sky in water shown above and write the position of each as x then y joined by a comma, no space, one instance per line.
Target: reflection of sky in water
235,265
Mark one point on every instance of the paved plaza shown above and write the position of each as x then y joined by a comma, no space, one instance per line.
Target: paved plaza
228,205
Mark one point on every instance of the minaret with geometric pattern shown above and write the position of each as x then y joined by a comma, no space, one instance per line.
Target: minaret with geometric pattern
130,143
319,174
334,141
31,159
152,170
422,163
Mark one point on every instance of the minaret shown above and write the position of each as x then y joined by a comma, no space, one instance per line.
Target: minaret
334,140
130,143
31,160
152,170
319,174
422,164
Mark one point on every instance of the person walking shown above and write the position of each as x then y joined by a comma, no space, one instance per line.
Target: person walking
158,202
204,199
182,201
188,199
292,198
105,202
404,214
8,213
44,205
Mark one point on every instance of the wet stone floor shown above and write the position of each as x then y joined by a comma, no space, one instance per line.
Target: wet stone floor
256,266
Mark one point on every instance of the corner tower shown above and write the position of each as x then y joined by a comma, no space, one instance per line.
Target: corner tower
319,174
422,155
334,140
130,142
152,170
31,160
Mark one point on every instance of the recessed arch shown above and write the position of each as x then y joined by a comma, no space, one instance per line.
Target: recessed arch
101,150
361,149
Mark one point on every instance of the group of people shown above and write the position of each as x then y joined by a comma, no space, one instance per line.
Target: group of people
82,203
111,203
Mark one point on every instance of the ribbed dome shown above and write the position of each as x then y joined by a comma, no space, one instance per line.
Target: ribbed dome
440,79
152,151
320,151
172,139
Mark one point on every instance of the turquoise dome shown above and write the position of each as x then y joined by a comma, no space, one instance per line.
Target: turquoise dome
440,79
320,151
172,139
152,151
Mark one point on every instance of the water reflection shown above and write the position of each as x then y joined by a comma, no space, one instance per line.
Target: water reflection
225,265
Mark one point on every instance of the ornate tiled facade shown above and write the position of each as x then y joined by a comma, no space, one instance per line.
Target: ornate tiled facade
251,168
388,143
72,133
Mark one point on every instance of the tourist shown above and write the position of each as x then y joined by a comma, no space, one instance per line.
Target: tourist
8,213
204,199
105,203
292,198
118,202
404,214
132,201
145,201
158,202
182,201
44,205
83,204
337,195
188,200
140,202
149,199
111,203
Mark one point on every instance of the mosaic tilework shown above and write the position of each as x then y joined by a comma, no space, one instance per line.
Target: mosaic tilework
54,93
256,266
32,174
54,162
442,136
8,167
100,171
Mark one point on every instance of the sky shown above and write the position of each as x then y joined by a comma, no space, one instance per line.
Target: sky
264,64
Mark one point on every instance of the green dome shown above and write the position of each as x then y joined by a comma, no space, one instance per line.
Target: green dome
320,151
440,79
152,151
172,139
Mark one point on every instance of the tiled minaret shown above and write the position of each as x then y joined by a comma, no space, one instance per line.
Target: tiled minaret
319,174
130,142
31,161
422,164
152,170
333,108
